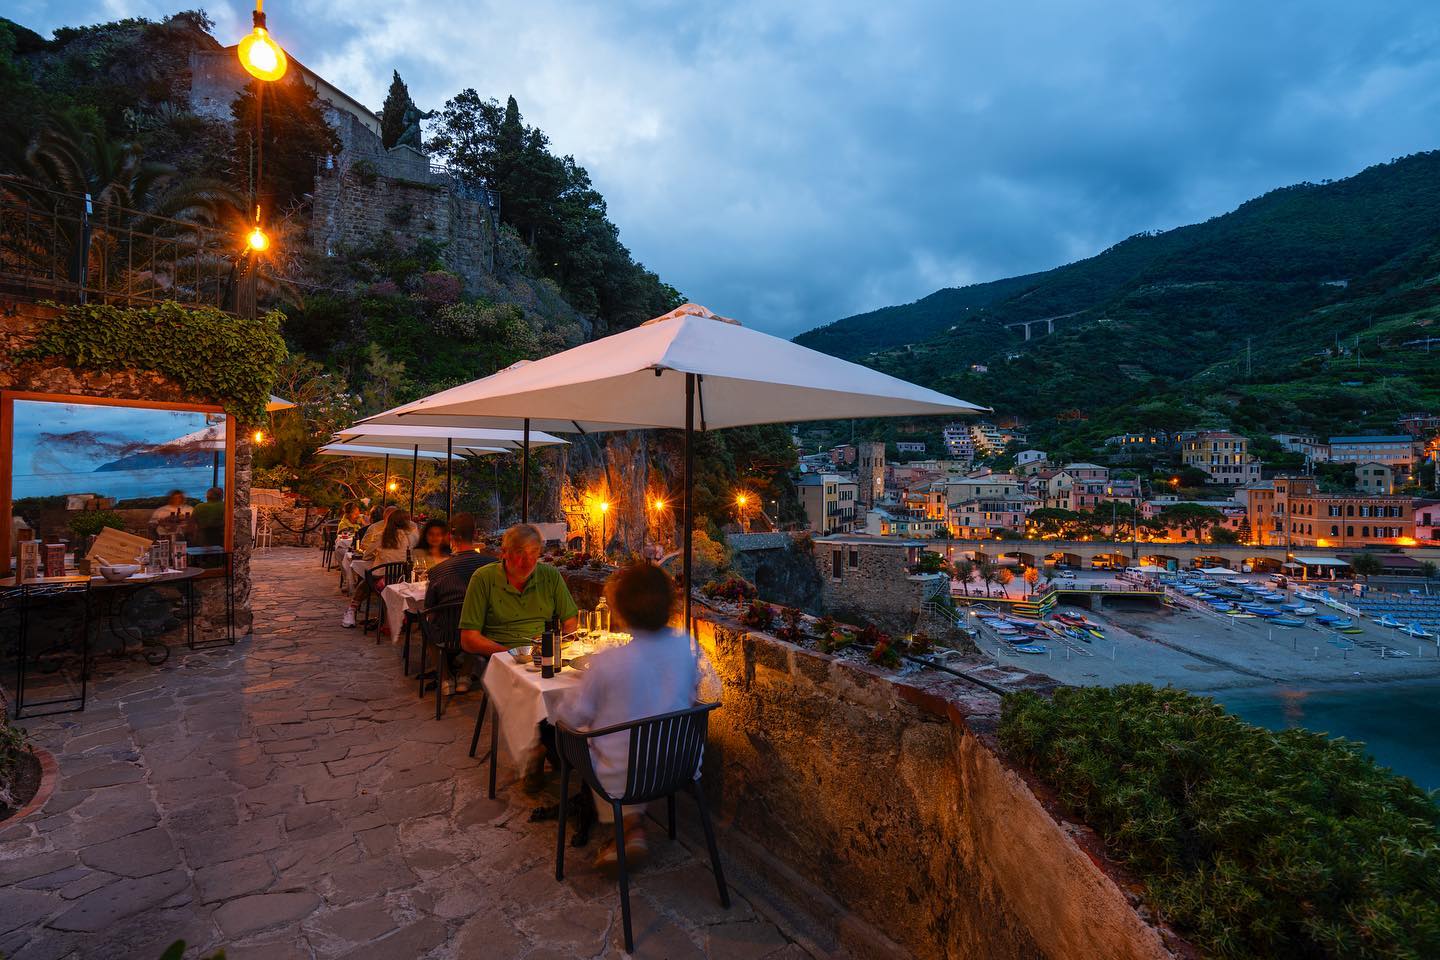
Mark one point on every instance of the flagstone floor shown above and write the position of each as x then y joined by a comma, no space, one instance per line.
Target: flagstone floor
291,797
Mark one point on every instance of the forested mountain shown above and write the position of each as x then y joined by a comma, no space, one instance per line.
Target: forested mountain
1292,311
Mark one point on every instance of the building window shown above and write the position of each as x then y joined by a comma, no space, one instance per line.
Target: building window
836,565
854,559
1349,531
1365,531
1334,530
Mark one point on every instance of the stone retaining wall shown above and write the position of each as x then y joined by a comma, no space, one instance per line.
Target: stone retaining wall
890,794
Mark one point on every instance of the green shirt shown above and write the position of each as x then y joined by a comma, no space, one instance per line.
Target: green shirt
209,520
513,617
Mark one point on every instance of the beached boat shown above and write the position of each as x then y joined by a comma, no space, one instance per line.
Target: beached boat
1033,648
1386,620
1288,622
1418,632
1304,611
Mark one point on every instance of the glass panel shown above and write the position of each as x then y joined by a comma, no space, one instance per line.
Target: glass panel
76,466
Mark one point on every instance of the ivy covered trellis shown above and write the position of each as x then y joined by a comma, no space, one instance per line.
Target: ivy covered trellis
213,356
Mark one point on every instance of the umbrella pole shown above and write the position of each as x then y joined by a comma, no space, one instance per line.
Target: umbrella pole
385,485
449,497
215,469
689,489
414,462
525,476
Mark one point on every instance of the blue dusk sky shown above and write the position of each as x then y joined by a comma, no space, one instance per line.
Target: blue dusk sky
792,163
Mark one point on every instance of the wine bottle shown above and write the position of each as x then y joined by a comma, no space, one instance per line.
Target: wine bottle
547,653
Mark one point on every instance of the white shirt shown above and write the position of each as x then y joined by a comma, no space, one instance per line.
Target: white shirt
653,674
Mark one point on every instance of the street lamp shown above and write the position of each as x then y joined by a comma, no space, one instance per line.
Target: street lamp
258,437
260,55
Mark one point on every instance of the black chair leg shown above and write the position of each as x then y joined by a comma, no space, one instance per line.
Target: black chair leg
479,722
624,876
494,750
422,672
365,624
696,789
560,839
440,659
670,805
405,651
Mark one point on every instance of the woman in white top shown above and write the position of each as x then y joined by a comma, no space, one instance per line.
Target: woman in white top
655,673
392,546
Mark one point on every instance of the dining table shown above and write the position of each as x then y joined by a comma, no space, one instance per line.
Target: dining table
399,598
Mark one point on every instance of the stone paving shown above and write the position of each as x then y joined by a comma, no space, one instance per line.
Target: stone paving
291,797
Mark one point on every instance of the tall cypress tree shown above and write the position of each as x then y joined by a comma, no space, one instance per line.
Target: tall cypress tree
392,115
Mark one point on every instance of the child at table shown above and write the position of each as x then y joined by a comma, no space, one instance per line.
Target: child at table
655,673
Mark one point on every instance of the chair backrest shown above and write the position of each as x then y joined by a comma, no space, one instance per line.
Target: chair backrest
665,752
329,530
396,571
440,626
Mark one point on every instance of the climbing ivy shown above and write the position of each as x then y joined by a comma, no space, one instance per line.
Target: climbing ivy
214,356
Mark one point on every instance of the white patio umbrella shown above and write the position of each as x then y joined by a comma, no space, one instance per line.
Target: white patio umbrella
211,438
467,440
277,403
666,373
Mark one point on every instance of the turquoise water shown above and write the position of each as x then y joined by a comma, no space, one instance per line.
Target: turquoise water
1396,722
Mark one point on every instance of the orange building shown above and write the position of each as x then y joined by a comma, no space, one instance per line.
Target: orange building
1291,511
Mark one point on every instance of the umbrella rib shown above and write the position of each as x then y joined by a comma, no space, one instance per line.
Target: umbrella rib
700,394
579,428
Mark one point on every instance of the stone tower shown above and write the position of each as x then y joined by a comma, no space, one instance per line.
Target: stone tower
870,471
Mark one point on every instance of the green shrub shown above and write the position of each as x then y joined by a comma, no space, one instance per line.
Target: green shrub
13,745
1252,843
88,523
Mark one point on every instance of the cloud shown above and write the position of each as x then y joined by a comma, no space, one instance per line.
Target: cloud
789,164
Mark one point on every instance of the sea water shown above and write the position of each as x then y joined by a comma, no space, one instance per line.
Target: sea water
1396,722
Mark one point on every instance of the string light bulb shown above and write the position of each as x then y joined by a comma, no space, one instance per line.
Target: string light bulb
259,436
260,55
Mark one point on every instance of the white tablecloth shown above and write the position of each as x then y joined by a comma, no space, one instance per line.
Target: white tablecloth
522,699
396,598
352,571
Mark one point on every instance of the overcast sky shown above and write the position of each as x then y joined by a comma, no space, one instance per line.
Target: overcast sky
790,163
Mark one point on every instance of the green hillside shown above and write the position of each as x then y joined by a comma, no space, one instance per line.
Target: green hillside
1224,322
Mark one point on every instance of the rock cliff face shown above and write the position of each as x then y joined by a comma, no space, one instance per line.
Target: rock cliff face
781,567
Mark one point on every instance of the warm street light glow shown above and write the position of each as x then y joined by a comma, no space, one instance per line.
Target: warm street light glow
741,499
259,436
659,504
256,240
260,55
393,486
604,506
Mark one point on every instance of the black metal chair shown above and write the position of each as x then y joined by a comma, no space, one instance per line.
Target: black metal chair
439,628
665,754
376,577
329,530
494,731
24,601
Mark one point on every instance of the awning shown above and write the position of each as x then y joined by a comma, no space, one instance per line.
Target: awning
1321,562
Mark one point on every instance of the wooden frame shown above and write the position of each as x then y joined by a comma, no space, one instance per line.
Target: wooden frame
7,448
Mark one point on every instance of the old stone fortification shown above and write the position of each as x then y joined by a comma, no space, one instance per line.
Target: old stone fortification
18,323
869,582
891,795
781,567
357,206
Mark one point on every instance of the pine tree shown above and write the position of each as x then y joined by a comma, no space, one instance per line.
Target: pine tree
392,114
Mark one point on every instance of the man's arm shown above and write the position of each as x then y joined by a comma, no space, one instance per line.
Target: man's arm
473,641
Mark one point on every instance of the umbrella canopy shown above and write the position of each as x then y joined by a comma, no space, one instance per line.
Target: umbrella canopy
405,437
685,369
277,403
376,453
636,380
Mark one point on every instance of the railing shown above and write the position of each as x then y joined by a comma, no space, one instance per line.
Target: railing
68,248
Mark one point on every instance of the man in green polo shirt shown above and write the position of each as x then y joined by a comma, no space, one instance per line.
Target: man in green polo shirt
508,603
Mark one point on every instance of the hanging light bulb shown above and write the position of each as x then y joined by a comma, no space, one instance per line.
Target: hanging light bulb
256,239
261,56
259,436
